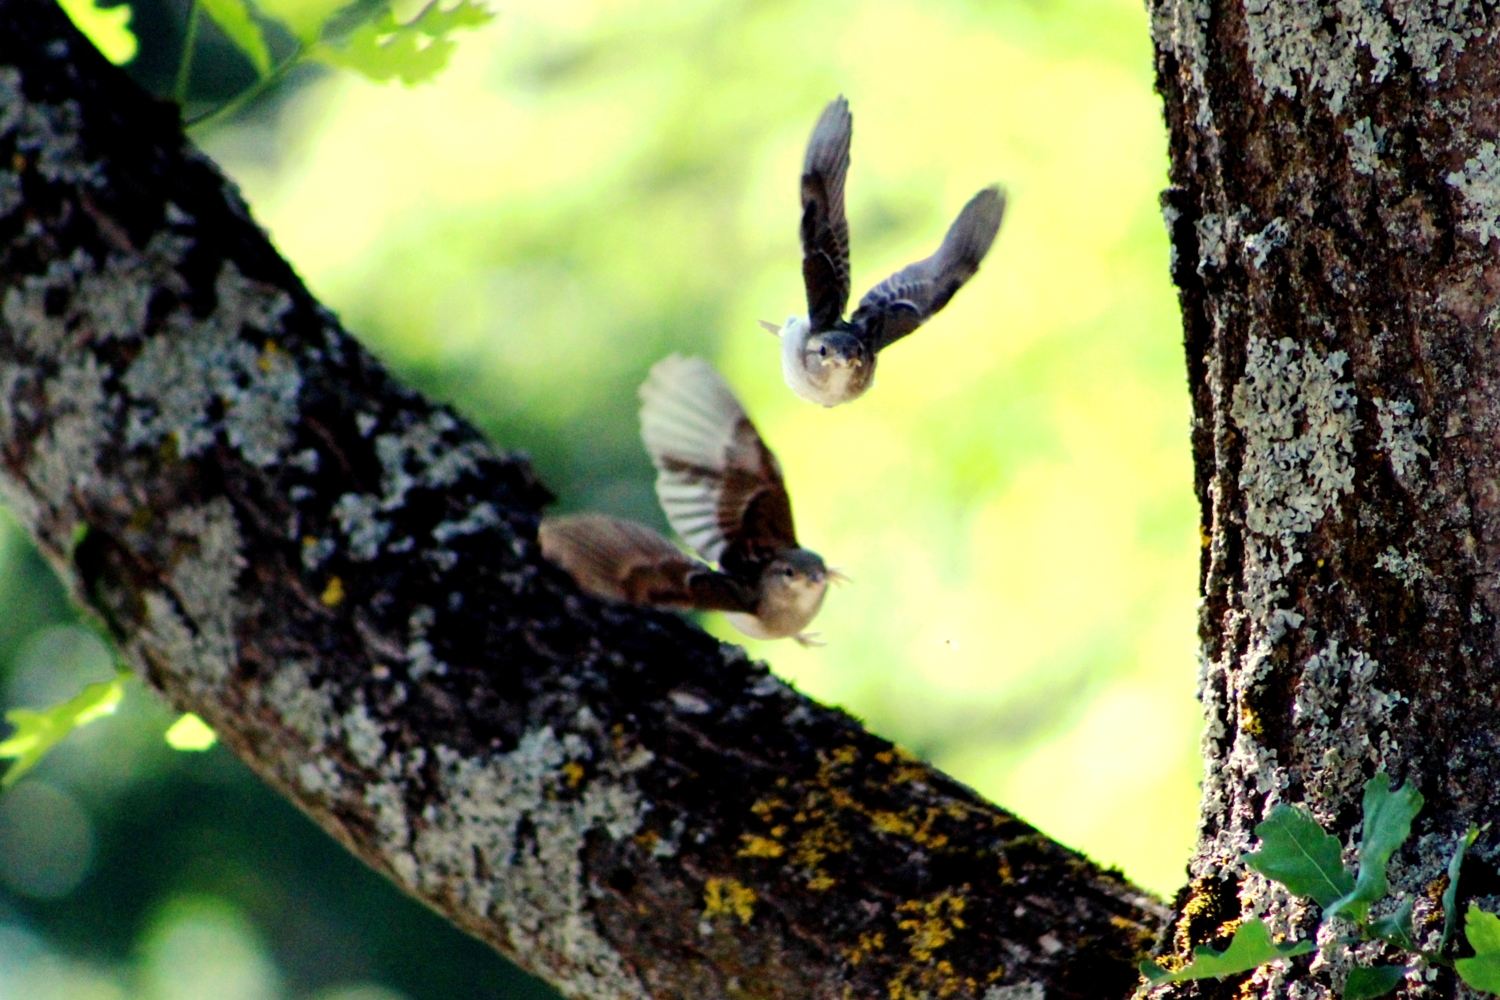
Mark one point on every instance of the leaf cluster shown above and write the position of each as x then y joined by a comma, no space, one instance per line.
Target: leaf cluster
1296,851
367,36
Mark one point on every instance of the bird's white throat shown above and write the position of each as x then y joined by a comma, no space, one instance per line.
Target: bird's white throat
824,383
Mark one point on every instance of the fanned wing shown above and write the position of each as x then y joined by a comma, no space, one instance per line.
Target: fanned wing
624,561
718,483
825,231
905,300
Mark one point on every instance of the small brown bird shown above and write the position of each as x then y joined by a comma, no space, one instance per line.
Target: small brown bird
826,359
722,491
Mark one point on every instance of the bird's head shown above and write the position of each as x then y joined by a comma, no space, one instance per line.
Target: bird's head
833,351
792,588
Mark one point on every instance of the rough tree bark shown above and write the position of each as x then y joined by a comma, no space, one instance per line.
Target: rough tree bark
342,578
1335,216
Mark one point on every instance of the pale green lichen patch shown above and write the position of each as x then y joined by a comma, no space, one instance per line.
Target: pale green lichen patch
1407,567
46,132
362,736
1321,46
302,708
506,840
1296,416
420,659
200,378
1214,234
358,515
1181,28
1479,183
417,457
193,380
1401,439
1364,145
1029,990
1272,237
105,302
1342,720
191,625
65,457
502,834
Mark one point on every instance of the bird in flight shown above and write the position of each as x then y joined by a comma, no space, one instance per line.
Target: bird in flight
722,491
825,358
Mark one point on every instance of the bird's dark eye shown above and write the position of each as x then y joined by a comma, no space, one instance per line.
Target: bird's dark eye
788,572
823,351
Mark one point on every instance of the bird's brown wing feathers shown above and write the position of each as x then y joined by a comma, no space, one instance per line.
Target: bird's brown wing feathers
623,561
905,300
719,484
825,231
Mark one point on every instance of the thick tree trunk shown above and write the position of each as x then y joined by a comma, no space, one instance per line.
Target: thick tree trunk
343,579
1335,216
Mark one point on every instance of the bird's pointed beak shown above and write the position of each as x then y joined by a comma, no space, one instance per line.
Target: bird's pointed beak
838,576
768,325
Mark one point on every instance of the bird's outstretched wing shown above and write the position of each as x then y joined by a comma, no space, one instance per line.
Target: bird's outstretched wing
718,483
624,561
905,300
825,231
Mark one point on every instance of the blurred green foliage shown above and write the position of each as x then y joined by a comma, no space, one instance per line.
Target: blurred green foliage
34,733
591,185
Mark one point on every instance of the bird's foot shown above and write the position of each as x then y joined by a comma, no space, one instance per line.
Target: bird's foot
809,640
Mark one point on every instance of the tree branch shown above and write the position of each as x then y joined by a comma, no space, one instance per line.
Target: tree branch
343,579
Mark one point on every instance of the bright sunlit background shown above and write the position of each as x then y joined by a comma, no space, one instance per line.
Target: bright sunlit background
591,185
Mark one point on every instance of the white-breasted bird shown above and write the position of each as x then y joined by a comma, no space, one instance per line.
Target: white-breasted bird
722,491
826,359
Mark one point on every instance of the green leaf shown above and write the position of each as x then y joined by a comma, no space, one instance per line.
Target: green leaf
1395,927
384,49
1301,855
107,27
1251,946
1450,894
1388,816
303,18
1366,982
38,732
233,18
190,733
1483,970
1483,931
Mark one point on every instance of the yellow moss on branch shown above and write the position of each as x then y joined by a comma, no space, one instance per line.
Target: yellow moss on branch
728,896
